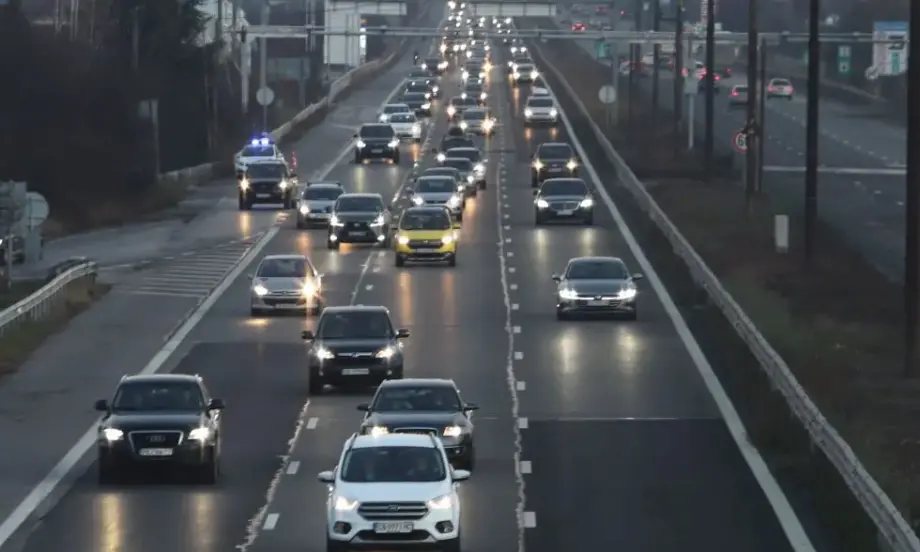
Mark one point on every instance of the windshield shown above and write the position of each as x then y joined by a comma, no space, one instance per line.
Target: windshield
466,101
355,325
563,187
456,143
524,67
395,108
596,270
426,220
283,268
473,66
457,100
780,82
442,171
474,114
359,204
268,170
473,89
435,185
540,102
559,151
432,61
393,465
173,395
322,194
421,399
462,165
471,154
403,118
417,87
377,131
414,97
258,151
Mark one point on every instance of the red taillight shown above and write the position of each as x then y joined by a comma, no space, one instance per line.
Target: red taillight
716,77
734,92
771,89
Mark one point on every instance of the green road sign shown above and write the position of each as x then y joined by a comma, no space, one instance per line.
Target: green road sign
844,67
895,62
602,49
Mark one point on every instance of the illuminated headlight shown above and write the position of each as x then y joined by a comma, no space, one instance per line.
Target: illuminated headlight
534,74
454,201
452,5
324,354
402,240
488,48
112,434
572,165
360,144
393,143
470,178
483,96
537,165
463,95
435,89
442,65
443,47
244,184
456,47
627,293
334,221
463,46
568,294
507,21
451,111
199,434
464,125
511,64
453,431
309,289
487,67
542,204
379,221
514,49
422,65
427,95
284,184
384,117
426,105
528,113
378,431
517,75
418,200
343,504
304,209
553,113
416,130
386,353
586,203
469,53
479,168
482,74
441,157
523,48
446,240
260,290
464,75
488,124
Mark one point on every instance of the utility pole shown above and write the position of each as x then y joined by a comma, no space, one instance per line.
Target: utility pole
678,71
754,99
656,56
218,67
263,61
710,77
811,129
912,207
634,62
762,115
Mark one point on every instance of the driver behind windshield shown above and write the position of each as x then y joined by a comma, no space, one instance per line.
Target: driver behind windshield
355,325
153,397
419,400
425,221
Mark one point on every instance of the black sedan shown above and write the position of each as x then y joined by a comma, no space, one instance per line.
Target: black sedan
161,420
354,345
553,160
359,218
563,199
427,406
376,141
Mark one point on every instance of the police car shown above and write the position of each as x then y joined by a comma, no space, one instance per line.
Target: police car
258,149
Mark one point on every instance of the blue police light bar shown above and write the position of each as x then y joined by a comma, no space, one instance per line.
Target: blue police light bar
261,142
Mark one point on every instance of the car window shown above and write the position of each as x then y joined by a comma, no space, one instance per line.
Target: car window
540,102
322,193
459,164
417,399
376,131
555,151
597,270
467,101
355,325
403,118
474,114
426,220
393,465
258,151
166,395
473,88
414,97
267,170
471,154
451,143
564,187
524,67
395,108
283,268
442,171
359,204
780,82
435,185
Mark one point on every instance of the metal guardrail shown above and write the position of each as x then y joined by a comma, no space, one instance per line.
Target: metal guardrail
894,532
46,300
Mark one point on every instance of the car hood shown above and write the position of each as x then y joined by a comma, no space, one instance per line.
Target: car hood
554,162
415,103
357,216
281,284
425,234
387,492
377,140
435,196
562,198
318,203
596,286
266,180
354,345
437,420
130,421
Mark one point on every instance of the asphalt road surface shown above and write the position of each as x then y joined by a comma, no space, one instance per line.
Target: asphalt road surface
592,435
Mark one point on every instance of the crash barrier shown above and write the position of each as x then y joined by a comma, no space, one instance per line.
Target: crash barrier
894,532
48,299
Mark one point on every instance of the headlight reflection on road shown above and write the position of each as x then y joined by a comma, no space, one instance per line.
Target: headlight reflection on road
244,224
203,524
112,520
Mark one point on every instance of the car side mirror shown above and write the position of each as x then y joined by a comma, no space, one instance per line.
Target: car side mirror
306,335
402,334
557,278
460,475
102,405
469,407
216,404
638,276
326,476
364,407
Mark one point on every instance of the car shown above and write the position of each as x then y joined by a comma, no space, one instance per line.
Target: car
393,492
434,65
578,26
390,109
476,157
258,149
477,121
452,141
475,91
359,218
567,199
473,69
517,60
426,234
518,49
376,141
316,201
421,74
266,181
780,88
524,73
287,282
465,166
596,285
460,183
553,160
738,97
702,82
159,420
438,190
458,105
406,126
540,109
418,102
424,406
418,87
354,345
474,81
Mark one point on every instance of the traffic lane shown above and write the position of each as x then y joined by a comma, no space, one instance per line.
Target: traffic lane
262,405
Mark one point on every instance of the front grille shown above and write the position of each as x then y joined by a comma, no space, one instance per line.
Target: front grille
564,205
424,243
392,511
272,302
435,201
264,187
417,430
357,226
354,359
370,536
155,439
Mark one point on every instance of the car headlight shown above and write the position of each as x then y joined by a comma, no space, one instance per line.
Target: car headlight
470,178
480,168
310,289
393,144
360,143
627,293
542,204
441,503
323,353
402,240
523,48
440,157
454,201
435,89
514,49
416,129
464,125
482,74
453,431
377,431
260,290
553,113
537,165
517,75
386,352
443,47
586,203
284,184
334,221
418,200
528,112
426,106
244,184
447,240
112,434
456,47
567,294
463,95
534,74
304,209
199,434
427,95
383,117
451,111
572,165
483,96
488,124
343,504
379,221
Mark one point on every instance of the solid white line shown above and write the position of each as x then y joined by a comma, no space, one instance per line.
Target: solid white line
522,423
293,467
530,520
516,329
312,422
525,467
271,520
790,523
520,385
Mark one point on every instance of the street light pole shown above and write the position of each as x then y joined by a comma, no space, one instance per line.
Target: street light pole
811,129
912,207
656,57
754,98
710,76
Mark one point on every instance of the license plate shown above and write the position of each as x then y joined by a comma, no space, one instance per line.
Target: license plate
403,527
554,170
565,213
156,452
355,372
426,250
597,303
357,234
377,151
321,215
262,196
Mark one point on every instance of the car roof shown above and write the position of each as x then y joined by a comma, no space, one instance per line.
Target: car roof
463,159
355,308
416,382
463,148
435,176
335,185
393,440
285,256
159,378
566,179
595,259
268,161
361,194
425,209
396,104
372,125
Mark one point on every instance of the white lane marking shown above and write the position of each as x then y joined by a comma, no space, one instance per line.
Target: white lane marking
507,240
293,467
522,423
526,467
368,287
510,254
312,422
516,329
790,523
530,520
515,307
514,287
518,355
271,520
520,385
511,270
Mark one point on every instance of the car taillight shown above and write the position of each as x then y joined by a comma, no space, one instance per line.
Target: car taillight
716,77
734,92
771,89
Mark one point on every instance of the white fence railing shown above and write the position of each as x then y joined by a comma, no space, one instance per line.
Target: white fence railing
46,300
894,532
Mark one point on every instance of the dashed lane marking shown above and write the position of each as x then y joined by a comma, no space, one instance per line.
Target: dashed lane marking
293,467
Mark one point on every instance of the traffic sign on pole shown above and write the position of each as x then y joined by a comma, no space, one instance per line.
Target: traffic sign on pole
265,96
739,141
602,49
844,67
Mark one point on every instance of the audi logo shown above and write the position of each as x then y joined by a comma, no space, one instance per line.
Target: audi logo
157,439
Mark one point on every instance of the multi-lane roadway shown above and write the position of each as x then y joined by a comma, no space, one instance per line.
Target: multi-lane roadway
599,435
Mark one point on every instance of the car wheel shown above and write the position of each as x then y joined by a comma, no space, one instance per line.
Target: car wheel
397,373
385,244
634,314
561,315
534,182
460,216
468,462
301,225
400,261
358,159
106,474
396,159
316,384
589,221
255,312
210,471
243,204
482,185
333,245
452,260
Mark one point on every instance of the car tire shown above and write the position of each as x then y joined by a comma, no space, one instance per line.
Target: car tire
315,386
399,261
452,260
460,216
106,474
634,314
243,204
482,184
335,546
210,472
451,545
301,225
255,312
358,159
396,159
561,314
589,221
534,182
333,245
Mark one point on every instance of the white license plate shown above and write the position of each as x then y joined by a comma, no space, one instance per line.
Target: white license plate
321,215
404,527
263,196
376,151
597,303
355,372
565,213
356,233
156,452
426,250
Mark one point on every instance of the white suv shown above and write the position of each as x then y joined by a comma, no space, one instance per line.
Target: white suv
393,491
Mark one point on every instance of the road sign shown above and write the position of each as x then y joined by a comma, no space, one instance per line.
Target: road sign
844,67
607,94
265,96
602,49
36,210
739,141
872,73
890,58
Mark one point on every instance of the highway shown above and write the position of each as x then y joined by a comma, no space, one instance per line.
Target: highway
603,435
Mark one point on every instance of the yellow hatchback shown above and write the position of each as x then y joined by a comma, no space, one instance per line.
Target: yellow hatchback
426,234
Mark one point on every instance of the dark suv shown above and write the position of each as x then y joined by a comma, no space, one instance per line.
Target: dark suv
269,181
376,141
553,160
159,420
359,218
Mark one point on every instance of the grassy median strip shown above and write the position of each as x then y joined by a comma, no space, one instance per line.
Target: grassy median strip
18,344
